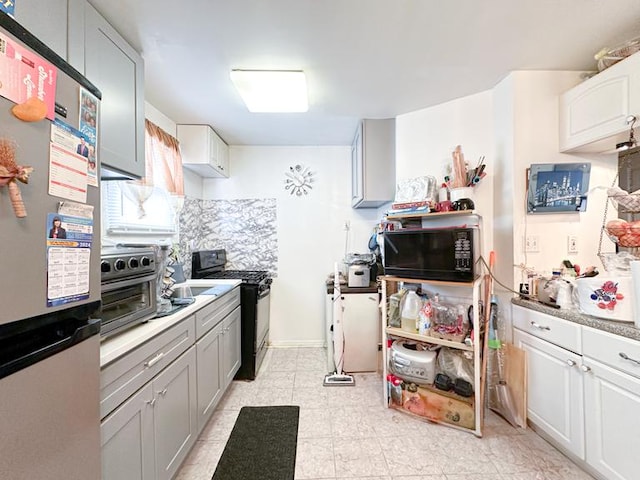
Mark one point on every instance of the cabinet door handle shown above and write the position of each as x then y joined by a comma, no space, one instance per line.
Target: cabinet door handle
539,327
571,363
163,392
154,360
585,368
624,355
151,402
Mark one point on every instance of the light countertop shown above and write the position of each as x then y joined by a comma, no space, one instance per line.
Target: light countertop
117,345
624,329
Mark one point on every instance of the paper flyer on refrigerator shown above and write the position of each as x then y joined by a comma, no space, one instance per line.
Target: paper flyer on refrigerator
24,74
69,242
69,172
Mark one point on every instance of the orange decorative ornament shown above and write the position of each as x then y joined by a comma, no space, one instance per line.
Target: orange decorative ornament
10,174
33,110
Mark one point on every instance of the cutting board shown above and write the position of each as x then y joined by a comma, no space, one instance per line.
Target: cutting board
515,374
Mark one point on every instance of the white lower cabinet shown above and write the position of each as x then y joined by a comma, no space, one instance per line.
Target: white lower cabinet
612,407
175,421
127,439
586,402
157,397
218,355
231,356
611,367
555,384
150,434
210,387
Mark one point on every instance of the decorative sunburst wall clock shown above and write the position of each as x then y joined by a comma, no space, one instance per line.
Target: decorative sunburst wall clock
298,180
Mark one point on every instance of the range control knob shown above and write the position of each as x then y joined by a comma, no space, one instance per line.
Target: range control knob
134,263
145,261
105,267
119,265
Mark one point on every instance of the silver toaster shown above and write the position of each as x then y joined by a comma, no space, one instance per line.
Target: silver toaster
418,366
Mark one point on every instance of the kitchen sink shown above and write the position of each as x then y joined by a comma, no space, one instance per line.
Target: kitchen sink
195,291
216,290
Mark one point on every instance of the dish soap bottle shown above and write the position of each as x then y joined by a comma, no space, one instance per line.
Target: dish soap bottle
410,309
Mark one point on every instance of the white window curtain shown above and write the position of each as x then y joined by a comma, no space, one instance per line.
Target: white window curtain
150,205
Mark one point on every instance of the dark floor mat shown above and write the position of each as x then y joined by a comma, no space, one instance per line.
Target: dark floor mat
262,445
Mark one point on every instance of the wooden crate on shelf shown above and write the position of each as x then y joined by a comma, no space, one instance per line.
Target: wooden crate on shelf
437,406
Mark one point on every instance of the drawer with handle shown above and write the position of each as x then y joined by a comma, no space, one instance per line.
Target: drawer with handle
560,332
613,350
209,316
123,377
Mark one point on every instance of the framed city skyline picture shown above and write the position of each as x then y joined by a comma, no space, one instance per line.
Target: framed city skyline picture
557,187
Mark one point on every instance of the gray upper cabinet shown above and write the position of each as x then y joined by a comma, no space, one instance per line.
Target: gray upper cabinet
46,20
373,153
110,63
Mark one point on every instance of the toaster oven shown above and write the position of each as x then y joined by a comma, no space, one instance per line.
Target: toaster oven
411,364
128,287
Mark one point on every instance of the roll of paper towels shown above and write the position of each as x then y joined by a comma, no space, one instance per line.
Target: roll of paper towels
635,277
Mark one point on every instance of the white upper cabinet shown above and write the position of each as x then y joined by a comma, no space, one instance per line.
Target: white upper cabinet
112,65
373,166
46,20
593,115
203,151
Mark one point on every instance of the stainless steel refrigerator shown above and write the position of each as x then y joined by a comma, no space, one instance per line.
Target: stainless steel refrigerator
50,287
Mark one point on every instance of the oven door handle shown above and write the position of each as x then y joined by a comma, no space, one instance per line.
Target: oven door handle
106,287
264,293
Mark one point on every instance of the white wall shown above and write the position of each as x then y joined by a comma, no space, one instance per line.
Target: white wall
514,125
426,138
534,98
526,131
310,229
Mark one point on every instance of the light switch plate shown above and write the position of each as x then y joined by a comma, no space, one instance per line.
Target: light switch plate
572,244
531,243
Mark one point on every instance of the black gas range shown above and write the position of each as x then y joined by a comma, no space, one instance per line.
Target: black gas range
256,277
254,303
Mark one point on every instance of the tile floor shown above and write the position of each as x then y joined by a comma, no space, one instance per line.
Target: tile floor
346,433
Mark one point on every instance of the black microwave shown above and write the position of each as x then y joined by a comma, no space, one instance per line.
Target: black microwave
446,254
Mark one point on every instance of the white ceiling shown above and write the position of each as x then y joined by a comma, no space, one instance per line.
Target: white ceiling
363,58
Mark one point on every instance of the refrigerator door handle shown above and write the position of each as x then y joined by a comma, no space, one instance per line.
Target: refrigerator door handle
22,358
81,333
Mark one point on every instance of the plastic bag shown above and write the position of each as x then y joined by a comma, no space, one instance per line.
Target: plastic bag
455,364
449,321
395,300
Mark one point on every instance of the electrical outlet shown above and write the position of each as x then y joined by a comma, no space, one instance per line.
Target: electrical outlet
572,244
531,243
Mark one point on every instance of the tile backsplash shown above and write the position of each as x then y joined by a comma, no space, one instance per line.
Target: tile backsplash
246,228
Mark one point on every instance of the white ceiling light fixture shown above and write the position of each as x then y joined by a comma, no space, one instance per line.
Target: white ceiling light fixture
272,90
